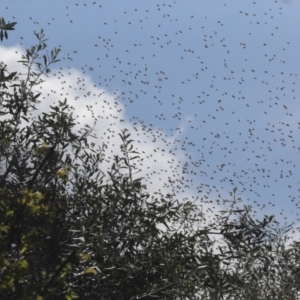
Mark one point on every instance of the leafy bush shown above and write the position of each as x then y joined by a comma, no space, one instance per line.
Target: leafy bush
70,229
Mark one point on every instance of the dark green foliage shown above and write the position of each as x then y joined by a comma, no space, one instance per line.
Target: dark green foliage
70,229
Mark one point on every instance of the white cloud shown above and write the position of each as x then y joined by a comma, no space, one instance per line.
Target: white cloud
160,164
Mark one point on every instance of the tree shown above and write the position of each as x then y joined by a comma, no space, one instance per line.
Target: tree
70,229
33,224
64,222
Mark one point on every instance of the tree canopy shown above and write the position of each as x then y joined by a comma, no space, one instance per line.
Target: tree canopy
71,229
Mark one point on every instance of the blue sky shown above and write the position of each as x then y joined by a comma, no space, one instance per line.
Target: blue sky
208,89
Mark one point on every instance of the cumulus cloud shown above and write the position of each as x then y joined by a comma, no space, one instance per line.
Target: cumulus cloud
160,164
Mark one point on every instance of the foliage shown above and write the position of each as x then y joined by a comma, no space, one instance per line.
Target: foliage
70,229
